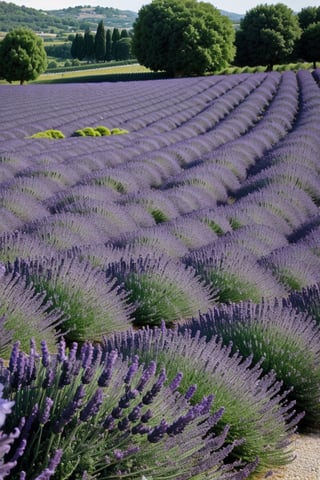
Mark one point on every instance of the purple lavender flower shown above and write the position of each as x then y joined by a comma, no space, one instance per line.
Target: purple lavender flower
93,406
45,414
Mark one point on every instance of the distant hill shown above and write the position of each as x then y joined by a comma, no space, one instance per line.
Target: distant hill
70,19
234,17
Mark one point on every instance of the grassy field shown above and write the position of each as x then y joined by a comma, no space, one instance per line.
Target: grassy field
138,72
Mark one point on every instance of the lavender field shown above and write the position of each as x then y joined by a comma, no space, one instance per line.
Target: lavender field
159,282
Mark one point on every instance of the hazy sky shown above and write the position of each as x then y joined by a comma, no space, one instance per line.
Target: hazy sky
236,6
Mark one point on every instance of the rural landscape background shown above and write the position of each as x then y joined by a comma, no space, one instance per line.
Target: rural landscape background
159,262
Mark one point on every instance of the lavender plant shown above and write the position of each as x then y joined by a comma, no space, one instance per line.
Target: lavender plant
25,313
294,266
160,288
109,418
287,342
254,406
233,272
307,300
93,303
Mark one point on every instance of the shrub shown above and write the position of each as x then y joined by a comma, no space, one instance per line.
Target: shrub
160,288
94,304
287,342
254,408
108,418
103,130
233,273
52,134
98,131
26,313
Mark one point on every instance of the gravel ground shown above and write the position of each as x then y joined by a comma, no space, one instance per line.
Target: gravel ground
306,466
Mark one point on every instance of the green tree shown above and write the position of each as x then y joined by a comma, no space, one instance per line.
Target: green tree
115,39
267,36
100,42
78,47
123,49
22,56
124,33
309,44
307,16
108,45
89,45
183,37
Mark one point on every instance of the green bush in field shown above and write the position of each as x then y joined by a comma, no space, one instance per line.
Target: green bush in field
52,134
100,131
104,131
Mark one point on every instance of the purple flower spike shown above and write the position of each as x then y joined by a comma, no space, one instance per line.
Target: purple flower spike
92,407
61,356
158,432
190,392
86,354
14,357
45,357
132,370
106,375
45,414
146,375
176,382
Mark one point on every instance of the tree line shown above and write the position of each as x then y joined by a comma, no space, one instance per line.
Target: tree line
181,38
103,46
193,38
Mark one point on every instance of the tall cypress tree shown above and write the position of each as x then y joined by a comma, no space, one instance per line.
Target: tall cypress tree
89,45
78,47
124,33
100,43
115,39
108,45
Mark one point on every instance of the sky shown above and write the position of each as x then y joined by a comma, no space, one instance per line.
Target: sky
235,6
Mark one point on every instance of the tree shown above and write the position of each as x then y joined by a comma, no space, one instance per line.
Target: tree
100,42
22,56
89,45
307,16
267,35
183,37
123,49
309,43
108,45
115,39
78,47
124,33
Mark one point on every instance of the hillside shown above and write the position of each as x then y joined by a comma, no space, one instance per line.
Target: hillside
69,19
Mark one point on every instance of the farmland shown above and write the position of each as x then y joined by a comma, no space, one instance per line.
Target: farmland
156,235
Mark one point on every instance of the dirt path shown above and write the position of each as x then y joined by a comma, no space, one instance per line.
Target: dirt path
306,466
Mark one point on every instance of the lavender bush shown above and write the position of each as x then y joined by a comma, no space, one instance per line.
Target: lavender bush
26,313
107,418
233,272
160,288
254,405
93,304
285,340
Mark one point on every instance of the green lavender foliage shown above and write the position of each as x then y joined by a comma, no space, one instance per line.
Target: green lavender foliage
255,407
110,418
